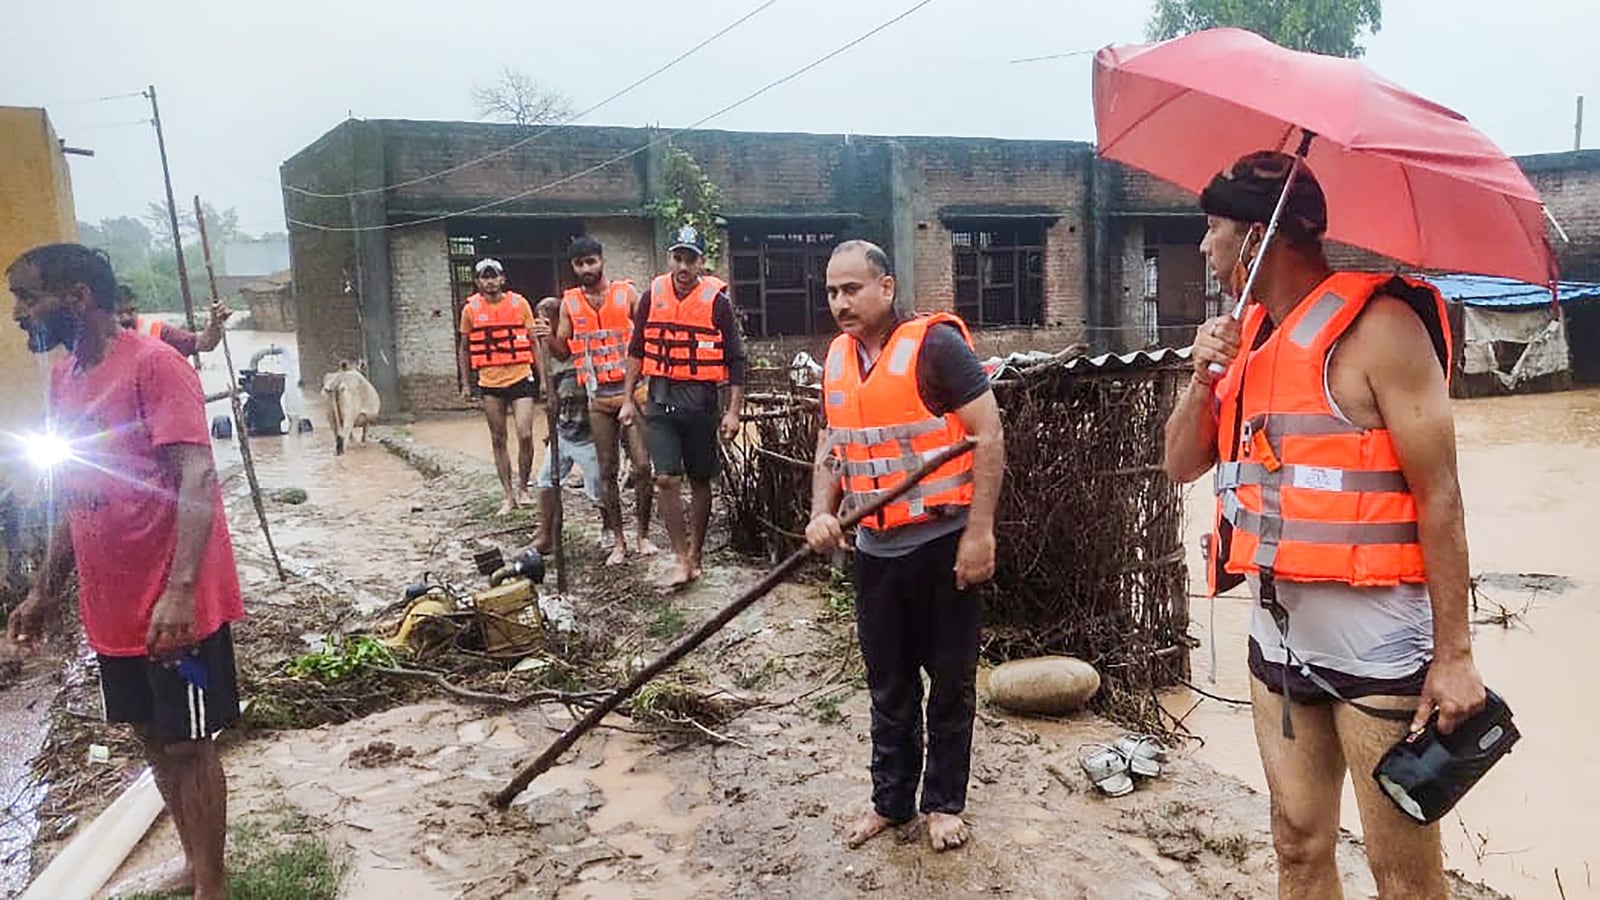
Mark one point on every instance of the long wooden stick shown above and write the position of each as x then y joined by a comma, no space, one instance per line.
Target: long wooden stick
700,635
233,395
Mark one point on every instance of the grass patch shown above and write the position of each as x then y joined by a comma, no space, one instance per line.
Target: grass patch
1235,847
826,706
288,862
839,597
669,623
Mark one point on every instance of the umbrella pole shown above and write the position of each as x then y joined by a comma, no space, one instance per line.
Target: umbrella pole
1272,231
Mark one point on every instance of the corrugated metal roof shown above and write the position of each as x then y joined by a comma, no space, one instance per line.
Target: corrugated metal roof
1506,293
1018,363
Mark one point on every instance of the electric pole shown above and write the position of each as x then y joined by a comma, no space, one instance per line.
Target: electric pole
1577,127
172,214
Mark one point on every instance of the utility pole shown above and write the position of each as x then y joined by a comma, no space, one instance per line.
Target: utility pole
172,214
1577,127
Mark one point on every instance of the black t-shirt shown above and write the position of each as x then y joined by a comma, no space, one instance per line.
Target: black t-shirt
693,396
949,374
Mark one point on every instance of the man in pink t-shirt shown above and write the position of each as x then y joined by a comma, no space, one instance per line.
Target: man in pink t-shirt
144,523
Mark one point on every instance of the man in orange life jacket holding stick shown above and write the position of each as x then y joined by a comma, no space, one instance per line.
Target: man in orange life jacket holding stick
897,391
686,341
497,350
594,331
182,340
1338,501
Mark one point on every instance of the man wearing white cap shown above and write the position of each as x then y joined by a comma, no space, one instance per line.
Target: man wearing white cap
496,348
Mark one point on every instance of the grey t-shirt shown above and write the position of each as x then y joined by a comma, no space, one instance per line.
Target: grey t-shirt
949,376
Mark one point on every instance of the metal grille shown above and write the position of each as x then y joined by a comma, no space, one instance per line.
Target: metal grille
999,274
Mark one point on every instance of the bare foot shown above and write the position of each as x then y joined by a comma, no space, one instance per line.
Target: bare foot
507,507
524,498
946,831
682,574
646,548
867,827
619,554
172,877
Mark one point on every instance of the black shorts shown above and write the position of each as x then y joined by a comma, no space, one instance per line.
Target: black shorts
682,442
523,389
159,700
1353,687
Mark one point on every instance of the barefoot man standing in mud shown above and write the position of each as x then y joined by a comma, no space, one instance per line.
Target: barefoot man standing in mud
497,351
686,341
897,391
157,587
1338,502
595,328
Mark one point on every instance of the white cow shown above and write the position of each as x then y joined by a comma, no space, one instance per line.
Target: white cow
352,403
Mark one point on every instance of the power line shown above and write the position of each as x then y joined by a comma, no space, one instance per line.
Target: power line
1029,59
624,155
87,100
543,131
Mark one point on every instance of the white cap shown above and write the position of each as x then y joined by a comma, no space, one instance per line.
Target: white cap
487,263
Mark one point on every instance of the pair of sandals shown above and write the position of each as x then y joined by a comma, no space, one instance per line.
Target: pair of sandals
1112,767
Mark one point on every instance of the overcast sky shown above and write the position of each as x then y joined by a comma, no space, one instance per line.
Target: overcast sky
244,86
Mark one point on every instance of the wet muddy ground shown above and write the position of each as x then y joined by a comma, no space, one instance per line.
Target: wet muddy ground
1530,479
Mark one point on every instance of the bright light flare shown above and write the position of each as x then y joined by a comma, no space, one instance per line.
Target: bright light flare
45,450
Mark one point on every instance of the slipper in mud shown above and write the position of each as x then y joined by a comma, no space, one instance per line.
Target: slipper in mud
1107,769
1144,753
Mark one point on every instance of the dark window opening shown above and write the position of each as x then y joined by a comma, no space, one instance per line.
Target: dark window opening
779,278
998,273
533,252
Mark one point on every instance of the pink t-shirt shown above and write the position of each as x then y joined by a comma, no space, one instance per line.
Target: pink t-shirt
121,502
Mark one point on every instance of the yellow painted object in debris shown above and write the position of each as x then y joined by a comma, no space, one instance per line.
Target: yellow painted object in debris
430,606
510,618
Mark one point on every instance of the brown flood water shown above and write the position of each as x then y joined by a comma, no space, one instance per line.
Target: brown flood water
1530,478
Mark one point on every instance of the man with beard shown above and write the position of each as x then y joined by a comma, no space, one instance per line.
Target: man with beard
594,331
182,340
686,340
157,587
497,349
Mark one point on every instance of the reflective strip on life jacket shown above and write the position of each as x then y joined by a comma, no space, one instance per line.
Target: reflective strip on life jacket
499,334
1303,494
600,337
880,431
681,339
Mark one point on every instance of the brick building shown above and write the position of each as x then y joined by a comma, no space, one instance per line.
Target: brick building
1036,243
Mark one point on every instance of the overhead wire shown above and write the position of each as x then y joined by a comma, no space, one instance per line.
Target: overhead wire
567,179
543,131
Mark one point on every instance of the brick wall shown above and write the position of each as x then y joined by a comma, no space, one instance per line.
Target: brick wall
424,320
1143,192
967,179
1570,186
630,247
327,316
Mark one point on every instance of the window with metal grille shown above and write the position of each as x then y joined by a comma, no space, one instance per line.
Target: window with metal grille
1213,292
1152,291
998,273
779,277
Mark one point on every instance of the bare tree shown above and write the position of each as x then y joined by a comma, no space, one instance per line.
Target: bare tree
514,97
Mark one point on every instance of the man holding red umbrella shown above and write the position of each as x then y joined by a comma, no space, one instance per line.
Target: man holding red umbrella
1326,413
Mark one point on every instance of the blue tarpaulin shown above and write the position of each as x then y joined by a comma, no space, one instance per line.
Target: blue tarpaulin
1506,293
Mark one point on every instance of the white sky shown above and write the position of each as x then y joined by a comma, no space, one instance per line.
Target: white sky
245,85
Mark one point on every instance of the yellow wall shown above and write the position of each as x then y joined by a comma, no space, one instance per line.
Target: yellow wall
35,208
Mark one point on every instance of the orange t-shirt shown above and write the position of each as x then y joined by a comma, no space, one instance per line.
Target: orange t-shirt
502,376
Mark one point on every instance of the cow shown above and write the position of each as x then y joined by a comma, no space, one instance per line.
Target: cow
352,403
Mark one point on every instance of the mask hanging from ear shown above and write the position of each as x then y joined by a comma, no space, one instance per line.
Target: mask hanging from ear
1240,274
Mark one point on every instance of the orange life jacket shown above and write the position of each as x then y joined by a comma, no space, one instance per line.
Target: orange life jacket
1301,491
880,431
147,325
600,337
499,335
681,340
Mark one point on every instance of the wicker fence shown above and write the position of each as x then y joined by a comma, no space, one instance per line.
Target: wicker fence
1090,559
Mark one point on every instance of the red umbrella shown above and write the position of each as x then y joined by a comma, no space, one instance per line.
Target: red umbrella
1403,176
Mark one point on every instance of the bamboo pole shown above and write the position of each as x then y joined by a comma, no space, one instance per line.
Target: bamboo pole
686,645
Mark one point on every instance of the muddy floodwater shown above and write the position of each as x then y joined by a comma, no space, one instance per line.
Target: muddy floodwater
1530,478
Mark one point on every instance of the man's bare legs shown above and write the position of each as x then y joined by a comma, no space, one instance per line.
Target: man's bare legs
643,489
669,491
494,412
1304,779
1406,858
522,414
699,521
189,776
